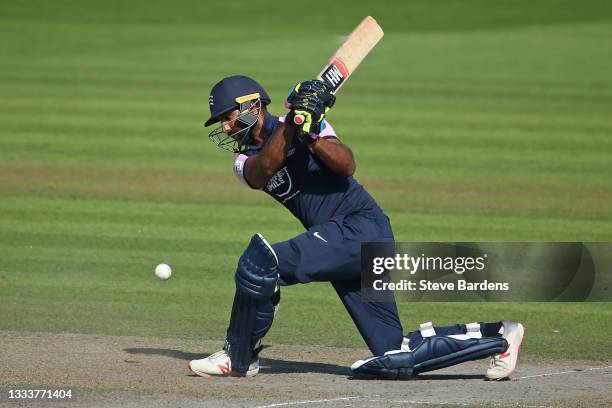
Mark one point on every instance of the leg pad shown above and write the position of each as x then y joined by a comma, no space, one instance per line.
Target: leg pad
432,354
254,302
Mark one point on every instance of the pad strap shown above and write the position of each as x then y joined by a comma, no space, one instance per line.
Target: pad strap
427,329
472,332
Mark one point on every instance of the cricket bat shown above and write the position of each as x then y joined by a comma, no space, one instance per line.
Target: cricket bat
349,55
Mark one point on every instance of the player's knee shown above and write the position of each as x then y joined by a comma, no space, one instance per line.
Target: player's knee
304,276
257,271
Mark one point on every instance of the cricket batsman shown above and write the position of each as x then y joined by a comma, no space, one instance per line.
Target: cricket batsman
300,162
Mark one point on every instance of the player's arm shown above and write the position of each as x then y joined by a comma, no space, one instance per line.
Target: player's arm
260,167
336,155
309,102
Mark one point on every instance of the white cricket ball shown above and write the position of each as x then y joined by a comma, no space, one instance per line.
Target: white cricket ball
163,271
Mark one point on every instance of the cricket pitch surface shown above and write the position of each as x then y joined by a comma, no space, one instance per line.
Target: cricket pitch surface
108,371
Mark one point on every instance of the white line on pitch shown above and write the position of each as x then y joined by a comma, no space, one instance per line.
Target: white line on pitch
413,402
453,403
562,372
286,404
393,401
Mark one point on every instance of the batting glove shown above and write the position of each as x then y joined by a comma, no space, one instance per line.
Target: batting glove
309,102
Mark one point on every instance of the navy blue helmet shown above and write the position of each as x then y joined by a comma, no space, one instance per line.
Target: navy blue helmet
236,92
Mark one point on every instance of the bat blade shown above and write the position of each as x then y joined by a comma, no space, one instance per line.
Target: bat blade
348,56
351,52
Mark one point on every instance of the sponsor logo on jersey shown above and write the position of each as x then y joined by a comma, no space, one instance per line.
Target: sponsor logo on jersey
280,183
318,235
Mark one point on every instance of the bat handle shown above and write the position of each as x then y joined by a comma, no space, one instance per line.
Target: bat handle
298,119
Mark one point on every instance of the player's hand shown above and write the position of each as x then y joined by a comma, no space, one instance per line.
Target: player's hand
305,118
314,88
309,102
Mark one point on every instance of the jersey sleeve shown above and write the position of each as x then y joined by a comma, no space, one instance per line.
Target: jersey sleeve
239,162
328,132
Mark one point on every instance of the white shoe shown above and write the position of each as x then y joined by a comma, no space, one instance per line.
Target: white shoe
502,365
219,364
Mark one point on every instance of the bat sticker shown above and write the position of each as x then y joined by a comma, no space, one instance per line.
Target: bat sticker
335,74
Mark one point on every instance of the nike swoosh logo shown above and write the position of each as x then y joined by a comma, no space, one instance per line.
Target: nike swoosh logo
316,234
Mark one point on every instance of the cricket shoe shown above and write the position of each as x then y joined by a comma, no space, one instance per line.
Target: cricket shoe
503,365
219,364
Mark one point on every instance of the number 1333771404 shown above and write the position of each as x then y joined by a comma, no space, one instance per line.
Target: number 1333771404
39,394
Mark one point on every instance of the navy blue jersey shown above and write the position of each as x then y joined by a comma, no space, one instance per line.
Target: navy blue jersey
305,185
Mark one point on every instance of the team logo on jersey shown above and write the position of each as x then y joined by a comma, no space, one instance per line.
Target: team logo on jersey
335,73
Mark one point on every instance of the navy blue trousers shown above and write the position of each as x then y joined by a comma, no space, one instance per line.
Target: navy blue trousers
331,252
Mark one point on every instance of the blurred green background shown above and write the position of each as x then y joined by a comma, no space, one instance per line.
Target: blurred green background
471,121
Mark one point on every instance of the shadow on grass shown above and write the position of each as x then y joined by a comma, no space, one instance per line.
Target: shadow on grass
267,365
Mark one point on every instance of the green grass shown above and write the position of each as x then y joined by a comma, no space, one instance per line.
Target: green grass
471,121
